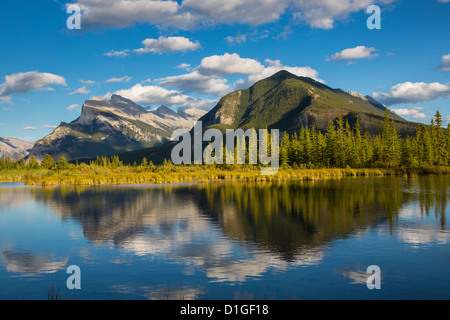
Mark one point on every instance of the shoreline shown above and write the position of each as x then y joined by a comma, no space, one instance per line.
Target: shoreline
204,175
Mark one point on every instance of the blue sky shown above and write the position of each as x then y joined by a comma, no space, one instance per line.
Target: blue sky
192,52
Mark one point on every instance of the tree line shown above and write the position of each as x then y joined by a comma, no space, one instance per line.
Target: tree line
345,146
340,146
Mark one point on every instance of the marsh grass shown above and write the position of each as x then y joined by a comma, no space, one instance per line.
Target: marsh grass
91,176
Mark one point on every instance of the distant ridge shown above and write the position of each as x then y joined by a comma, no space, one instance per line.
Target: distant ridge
110,127
13,148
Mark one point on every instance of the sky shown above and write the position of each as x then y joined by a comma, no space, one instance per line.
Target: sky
190,53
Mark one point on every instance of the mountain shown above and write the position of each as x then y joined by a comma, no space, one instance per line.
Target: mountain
287,102
13,148
111,127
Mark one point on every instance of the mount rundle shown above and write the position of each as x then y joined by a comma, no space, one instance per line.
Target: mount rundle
111,127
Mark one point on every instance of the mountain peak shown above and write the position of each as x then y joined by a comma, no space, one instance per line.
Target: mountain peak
115,98
283,75
164,111
357,95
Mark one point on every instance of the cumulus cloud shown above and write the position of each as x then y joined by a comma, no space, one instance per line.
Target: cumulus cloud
209,76
445,63
229,64
28,81
118,80
196,82
155,95
323,14
252,12
167,44
82,90
414,112
410,92
123,13
359,52
274,66
188,14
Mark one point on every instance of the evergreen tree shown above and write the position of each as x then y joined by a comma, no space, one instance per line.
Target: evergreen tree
63,164
439,142
47,162
32,163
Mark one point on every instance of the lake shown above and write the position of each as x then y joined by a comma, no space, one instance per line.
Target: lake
272,241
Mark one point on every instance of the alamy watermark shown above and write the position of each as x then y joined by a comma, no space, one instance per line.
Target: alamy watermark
374,281
74,281
374,21
240,147
74,21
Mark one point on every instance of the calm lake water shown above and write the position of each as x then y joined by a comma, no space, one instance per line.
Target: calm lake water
295,240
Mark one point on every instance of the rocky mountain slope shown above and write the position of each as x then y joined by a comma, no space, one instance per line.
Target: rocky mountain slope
111,127
286,102
13,148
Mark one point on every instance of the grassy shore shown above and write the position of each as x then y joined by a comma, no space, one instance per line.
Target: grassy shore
135,175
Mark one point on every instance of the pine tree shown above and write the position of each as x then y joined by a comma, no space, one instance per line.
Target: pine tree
332,147
63,164
391,151
47,162
439,142
284,150
32,163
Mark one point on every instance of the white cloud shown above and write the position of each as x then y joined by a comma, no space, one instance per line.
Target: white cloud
197,82
114,53
30,128
229,64
410,92
118,80
81,90
239,39
274,66
87,82
359,52
49,126
155,95
28,81
445,63
251,36
72,107
189,14
167,44
414,112
184,66
252,12
123,13
208,77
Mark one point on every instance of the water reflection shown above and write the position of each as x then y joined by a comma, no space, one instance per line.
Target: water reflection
237,231
31,264
12,195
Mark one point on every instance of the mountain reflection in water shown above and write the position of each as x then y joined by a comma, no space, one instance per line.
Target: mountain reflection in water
231,232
